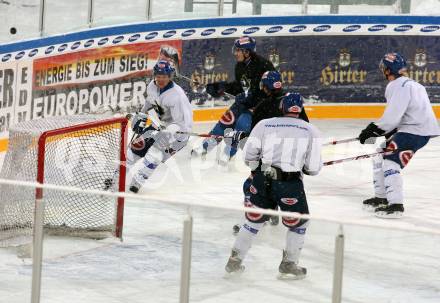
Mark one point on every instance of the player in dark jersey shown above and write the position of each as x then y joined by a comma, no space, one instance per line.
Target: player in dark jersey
248,71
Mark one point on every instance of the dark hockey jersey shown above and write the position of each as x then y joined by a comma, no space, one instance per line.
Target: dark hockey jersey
269,107
248,75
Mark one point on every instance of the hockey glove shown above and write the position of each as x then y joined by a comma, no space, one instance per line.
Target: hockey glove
165,138
371,131
240,135
240,98
246,101
308,172
390,134
234,137
216,89
138,122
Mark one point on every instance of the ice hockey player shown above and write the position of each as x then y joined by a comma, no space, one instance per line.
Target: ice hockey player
170,111
269,107
248,71
278,151
409,111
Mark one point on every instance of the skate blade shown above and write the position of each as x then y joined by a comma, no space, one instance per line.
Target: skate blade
369,208
282,276
233,274
384,215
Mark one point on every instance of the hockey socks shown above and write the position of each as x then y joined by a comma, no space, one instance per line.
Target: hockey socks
245,236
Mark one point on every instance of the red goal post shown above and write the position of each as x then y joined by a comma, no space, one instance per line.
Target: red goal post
122,122
76,151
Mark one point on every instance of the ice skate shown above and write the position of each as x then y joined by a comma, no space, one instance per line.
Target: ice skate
199,152
223,160
373,203
135,186
289,270
234,263
391,211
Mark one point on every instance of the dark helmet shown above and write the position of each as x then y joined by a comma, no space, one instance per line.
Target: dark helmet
271,80
394,62
291,103
245,43
163,67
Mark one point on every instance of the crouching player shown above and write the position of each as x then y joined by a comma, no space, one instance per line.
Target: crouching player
279,150
170,111
248,71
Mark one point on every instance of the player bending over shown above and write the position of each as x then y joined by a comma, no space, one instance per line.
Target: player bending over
170,111
409,111
278,151
248,71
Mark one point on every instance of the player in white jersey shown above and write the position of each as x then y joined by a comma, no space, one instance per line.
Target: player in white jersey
409,115
278,151
170,111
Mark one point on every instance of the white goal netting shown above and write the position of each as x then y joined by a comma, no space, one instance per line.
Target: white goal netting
81,153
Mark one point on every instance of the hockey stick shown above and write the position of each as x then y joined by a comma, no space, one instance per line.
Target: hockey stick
219,136
387,135
201,84
129,116
340,141
200,135
133,137
366,156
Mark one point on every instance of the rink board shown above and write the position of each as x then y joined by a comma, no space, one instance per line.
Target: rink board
331,60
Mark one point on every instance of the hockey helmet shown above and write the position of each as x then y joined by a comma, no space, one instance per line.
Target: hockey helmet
291,103
394,62
163,67
245,43
271,80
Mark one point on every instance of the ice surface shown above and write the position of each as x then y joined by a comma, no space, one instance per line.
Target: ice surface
381,265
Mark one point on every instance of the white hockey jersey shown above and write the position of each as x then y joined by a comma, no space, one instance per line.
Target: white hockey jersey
287,143
408,109
173,101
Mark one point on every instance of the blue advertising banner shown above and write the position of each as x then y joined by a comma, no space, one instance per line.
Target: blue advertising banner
330,69
328,59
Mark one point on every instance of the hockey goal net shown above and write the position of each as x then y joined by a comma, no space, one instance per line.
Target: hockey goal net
78,151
